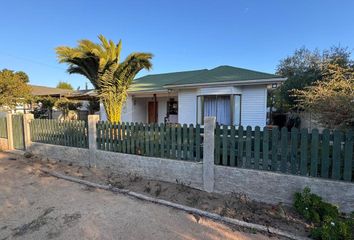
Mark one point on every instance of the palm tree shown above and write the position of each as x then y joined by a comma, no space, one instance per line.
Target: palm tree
100,63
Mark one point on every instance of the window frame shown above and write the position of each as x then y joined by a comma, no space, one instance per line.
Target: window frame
200,104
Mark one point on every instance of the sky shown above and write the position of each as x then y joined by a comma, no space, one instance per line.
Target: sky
182,35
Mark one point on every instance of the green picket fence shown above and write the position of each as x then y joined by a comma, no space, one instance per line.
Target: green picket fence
172,141
65,133
299,152
3,127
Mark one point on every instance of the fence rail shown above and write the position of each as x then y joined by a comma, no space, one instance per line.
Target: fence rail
173,141
66,133
3,127
299,152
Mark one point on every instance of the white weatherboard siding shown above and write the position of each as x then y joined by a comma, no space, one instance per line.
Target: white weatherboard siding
219,90
187,106
254,106
127,111
103,115
139,110
161,109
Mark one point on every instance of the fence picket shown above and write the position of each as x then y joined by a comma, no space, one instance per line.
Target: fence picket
314,152
179,141
162,140
191,142
303,152
294,163
232,146
348,156
257,146
284,150
337,138
248,146
217,144
185,142
275,137
173,141
240,147
265,149
224,145
197,142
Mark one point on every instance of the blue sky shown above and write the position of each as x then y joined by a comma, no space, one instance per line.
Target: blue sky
182,35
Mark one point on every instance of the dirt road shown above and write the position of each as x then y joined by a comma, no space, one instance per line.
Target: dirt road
36,206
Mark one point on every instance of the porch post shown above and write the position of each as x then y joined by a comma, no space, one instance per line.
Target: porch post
155,109
208,153
92,136
27,118
10,140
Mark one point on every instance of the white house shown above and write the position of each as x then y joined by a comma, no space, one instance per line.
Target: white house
234,95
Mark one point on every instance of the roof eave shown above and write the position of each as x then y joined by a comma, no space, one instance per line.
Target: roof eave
149,91
235,83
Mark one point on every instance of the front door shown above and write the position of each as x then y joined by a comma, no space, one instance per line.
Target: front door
152,112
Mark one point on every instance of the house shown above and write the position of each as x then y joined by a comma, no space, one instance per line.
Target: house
37,91
234,95
44,91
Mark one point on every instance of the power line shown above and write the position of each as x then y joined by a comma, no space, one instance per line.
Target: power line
32,61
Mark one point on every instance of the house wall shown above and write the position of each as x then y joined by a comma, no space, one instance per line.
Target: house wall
187,106
127,110
140,110
253,103
103,115
254,106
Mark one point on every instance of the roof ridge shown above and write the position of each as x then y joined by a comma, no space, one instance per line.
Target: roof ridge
186,71
246,69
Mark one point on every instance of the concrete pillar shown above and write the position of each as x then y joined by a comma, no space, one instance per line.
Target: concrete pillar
10,139
92,136
27,118
208,153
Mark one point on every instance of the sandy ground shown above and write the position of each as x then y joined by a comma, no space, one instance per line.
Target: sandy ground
36,206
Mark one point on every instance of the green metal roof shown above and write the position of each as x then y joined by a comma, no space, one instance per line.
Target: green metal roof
204,76
158,81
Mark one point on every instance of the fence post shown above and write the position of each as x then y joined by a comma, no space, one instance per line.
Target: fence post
92,136
208,153
10,140
27,118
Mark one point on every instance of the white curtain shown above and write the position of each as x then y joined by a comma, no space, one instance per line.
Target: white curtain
218,106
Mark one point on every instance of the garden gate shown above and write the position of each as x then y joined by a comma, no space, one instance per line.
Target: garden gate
17,131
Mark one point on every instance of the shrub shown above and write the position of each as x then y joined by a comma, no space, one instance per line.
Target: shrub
329,225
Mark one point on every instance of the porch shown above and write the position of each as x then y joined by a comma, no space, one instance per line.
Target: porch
151,108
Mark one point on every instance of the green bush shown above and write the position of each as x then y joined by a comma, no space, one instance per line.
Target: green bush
333,229
329,225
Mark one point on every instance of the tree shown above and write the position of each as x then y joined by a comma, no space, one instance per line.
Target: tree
65,105
47,103
100,63
14,88
332,99
304,68
65,85
93,106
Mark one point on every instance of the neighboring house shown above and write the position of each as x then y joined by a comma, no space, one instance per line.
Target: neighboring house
44,91
234,95
41,91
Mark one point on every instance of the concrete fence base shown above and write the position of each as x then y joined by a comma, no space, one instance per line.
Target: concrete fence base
261,186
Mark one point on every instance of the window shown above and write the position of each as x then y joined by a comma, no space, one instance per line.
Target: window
226,108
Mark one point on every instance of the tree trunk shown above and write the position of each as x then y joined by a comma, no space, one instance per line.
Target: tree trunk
113,105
